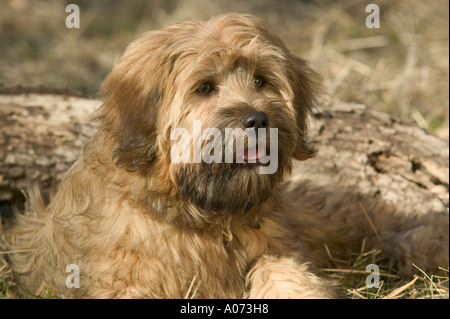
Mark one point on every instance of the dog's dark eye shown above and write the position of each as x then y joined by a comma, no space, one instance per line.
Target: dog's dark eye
206,88
258,81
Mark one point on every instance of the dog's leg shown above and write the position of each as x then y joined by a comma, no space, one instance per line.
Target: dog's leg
283,277
342,221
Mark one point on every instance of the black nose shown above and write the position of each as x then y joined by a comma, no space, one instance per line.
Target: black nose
255,120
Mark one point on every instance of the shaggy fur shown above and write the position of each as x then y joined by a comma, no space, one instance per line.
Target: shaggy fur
139,225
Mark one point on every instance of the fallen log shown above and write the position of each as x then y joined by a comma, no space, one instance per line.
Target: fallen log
41,135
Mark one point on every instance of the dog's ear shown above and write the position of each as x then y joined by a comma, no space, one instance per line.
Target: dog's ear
305,85
132,93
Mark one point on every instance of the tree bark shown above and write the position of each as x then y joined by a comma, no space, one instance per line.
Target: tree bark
379,156
41,135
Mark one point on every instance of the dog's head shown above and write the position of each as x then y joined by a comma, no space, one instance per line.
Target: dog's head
231,72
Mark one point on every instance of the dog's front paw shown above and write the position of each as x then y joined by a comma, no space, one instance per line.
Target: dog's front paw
284,278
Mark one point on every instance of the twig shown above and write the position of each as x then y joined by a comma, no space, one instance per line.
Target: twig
190,287
371,224
355,271
331,257
431,282
399,290
356,293
15,251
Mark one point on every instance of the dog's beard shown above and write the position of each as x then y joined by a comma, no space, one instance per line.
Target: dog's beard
224,188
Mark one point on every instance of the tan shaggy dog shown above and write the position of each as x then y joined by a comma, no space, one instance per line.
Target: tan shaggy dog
138,224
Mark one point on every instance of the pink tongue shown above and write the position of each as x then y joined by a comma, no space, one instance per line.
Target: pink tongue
253,156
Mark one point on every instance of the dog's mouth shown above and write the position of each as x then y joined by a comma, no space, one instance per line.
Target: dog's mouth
252,157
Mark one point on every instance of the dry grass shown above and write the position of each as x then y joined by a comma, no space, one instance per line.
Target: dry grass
352,275
401,68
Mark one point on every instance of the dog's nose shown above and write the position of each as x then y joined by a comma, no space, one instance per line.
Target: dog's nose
255,120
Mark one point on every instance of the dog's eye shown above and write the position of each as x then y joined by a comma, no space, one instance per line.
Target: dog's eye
258,81
206,88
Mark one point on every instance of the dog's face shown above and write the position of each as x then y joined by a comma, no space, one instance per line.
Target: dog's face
228,73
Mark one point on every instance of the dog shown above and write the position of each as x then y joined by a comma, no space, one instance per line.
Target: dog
136,222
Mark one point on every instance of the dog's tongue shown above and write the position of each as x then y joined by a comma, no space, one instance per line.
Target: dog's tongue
253,155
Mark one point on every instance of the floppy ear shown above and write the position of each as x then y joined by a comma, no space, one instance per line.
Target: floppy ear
132,93
305,85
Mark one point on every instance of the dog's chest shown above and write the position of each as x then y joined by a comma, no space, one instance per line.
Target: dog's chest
177,263
206,265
